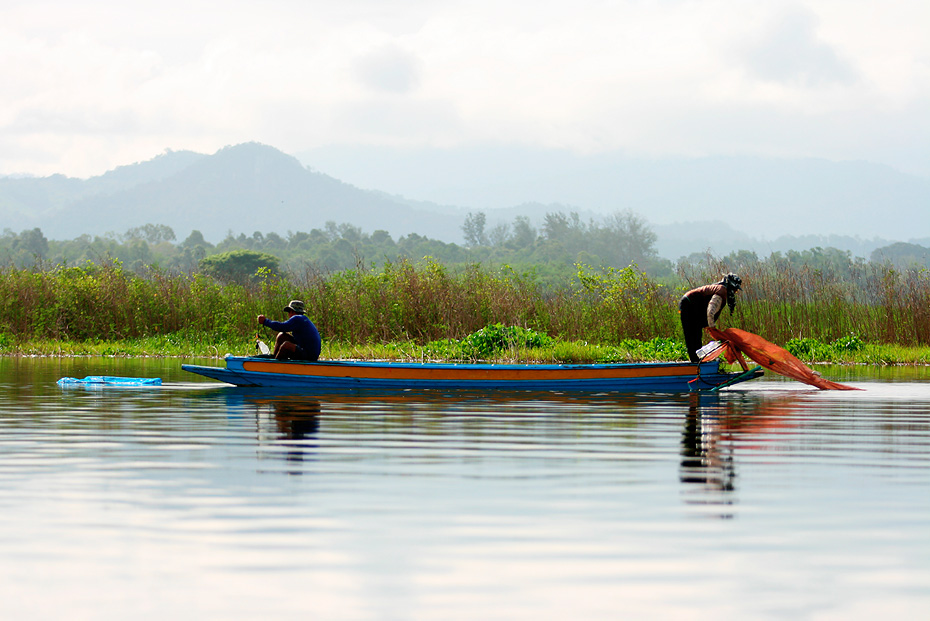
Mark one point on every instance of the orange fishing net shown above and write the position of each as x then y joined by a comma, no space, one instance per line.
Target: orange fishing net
738,342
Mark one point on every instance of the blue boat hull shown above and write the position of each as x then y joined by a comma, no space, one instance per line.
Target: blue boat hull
363,375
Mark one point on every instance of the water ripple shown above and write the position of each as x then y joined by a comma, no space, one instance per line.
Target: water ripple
417,505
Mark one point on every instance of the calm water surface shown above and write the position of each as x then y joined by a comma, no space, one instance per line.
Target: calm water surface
194,500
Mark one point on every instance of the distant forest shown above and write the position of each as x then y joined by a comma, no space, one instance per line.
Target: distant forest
550,252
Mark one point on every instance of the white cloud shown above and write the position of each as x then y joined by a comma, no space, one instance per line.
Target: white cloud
93,85
791,52
389,69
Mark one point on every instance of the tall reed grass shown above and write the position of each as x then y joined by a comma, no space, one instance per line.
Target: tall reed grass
875,302
427,301
109,303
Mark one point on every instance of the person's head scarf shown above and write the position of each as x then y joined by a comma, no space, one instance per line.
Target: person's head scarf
733,283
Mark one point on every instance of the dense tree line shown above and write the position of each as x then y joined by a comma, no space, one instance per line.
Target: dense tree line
550,252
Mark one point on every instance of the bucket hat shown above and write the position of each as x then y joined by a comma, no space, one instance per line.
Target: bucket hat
295,306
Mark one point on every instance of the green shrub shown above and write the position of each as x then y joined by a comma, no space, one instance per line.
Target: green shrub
849,343
809,349
489,342
658,348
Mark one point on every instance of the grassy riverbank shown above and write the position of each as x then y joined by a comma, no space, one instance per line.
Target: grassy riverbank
558,352
425,311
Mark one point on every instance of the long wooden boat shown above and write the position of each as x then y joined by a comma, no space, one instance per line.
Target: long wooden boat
362,375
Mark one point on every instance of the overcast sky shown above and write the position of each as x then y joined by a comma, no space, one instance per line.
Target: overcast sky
88,85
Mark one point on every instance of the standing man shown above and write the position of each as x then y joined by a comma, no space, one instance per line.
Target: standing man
298,338
701,307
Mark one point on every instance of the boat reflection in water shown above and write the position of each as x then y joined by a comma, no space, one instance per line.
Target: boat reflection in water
712,424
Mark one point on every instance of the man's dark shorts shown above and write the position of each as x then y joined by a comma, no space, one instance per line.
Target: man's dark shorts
301,354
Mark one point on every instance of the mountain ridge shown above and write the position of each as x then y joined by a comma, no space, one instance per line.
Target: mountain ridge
254,187
766,197
241,188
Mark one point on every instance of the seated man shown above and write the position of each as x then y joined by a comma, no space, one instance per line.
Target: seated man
298,338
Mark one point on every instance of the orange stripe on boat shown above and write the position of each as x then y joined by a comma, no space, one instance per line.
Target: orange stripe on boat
470,373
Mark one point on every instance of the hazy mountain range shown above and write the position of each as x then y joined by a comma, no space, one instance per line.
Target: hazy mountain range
240,189
716,204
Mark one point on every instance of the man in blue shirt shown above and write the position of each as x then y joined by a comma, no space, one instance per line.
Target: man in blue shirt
298,338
